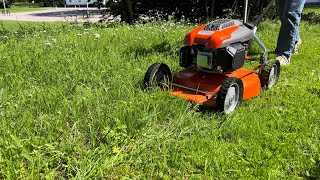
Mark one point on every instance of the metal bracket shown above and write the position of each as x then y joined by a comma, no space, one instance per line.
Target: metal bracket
193,89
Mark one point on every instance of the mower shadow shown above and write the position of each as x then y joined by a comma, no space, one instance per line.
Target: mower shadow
209,109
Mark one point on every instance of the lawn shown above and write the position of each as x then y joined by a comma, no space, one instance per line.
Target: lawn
72,106
18,9
312,9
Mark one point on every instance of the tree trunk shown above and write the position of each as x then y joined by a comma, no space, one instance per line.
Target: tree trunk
127,11
206,5
212,8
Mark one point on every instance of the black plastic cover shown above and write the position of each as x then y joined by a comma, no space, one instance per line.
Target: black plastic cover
186,57
231,57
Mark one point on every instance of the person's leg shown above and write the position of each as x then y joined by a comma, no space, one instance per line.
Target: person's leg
280,4
283,43
289,31
294,13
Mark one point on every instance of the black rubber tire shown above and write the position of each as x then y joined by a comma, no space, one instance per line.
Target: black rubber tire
264,76
221,97
158,74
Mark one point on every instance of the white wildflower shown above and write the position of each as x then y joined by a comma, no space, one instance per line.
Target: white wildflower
79,34
47,43
96,35
54,40
5,37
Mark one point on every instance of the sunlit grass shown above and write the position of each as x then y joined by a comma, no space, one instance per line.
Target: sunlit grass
71,105
18,9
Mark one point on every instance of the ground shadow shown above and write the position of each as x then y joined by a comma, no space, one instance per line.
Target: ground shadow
313,172
314,91
311,17
209,109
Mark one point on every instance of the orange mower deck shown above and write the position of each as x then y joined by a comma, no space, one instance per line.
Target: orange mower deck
202,88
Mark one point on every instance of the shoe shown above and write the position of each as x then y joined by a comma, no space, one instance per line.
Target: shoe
296,46
283,60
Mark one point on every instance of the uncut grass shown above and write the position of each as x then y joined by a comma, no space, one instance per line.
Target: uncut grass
72,106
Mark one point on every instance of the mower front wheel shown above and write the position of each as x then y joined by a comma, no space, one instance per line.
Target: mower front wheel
230,95
269,75
158,74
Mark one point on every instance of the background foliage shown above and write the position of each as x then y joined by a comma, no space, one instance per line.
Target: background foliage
193,10
190,10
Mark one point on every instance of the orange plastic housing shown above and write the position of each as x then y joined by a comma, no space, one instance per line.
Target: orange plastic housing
206,86
211,40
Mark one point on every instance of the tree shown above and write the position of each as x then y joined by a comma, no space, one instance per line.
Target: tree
127,12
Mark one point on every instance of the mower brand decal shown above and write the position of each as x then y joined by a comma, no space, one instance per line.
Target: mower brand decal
205,32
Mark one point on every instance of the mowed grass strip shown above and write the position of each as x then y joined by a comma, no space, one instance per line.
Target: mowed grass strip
72,106
19,9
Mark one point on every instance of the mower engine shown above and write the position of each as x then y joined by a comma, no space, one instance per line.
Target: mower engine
219,46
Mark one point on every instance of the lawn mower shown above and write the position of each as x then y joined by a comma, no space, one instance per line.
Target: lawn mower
213,56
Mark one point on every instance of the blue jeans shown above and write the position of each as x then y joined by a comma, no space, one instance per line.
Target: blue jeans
289,12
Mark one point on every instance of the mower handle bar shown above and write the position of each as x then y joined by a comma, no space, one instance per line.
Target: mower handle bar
264,58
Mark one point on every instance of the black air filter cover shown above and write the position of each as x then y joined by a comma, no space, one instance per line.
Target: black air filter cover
231,57
186,57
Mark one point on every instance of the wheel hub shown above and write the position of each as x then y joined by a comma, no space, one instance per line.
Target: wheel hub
272,77
232,98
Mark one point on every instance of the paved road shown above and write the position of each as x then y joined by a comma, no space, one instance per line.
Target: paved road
55,14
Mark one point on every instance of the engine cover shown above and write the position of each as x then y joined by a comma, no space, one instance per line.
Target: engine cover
219,34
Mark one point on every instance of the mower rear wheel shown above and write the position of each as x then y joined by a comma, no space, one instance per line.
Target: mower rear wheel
158,74
270,74
230,95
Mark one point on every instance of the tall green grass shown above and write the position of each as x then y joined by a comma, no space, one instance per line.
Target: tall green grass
72,106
